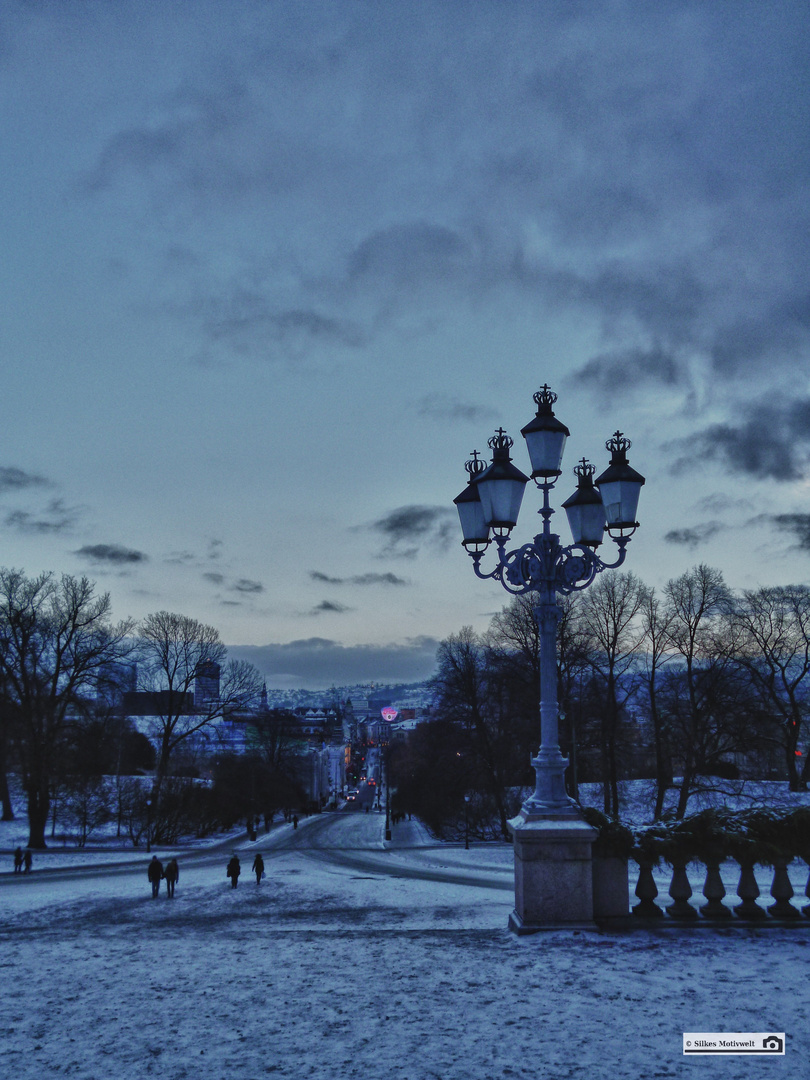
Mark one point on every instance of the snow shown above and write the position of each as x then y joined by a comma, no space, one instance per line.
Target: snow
333,967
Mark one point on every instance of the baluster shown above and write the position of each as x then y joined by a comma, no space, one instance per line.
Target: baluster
781,891
680,890
714,891
646,890
748,891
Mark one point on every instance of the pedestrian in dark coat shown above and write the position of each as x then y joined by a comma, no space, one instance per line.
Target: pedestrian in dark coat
233,871
155,874
172,875
28,858
258,867
18,861
295,821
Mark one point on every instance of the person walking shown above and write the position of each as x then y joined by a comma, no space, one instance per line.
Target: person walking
18,861
233,871
295,821
28,859
155,875
172,875
258,867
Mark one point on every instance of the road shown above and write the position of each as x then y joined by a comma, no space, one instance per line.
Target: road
355,840
351,839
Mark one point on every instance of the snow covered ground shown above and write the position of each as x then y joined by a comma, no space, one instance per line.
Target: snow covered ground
341,964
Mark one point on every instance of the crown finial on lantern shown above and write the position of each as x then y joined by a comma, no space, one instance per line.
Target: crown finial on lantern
500,442
618,443
545,398
584,468
475,466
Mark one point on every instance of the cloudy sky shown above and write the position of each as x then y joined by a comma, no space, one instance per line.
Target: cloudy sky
271,271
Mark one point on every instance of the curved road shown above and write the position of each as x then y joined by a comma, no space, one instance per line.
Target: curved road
352,840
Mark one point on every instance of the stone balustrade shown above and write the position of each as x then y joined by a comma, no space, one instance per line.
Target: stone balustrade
611,895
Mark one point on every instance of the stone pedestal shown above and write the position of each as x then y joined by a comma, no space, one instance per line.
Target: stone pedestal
611,889
553,874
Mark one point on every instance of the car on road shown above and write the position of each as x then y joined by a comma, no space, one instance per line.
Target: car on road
351,796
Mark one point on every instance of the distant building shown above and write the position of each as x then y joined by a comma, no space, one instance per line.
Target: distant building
206,685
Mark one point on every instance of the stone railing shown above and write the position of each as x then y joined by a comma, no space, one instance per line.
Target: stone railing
716,908
704,843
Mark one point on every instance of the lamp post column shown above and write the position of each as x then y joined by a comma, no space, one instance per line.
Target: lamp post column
550,765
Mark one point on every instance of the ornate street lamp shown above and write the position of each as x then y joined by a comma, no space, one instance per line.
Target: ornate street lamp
545,567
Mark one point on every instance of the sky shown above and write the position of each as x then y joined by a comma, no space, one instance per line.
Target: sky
272,271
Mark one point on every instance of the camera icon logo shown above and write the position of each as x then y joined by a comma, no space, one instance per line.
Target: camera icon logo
773,1042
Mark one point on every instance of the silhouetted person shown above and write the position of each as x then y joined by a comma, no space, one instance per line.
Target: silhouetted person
28,858
295,821
155,874
258,867
233,871
18,861
172,875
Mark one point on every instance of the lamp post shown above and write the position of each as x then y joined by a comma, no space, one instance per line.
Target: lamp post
148,826
387,791
488,511
466,822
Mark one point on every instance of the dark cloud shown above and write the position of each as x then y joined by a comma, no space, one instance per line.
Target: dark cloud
245,585
321,662
250,321
410,253
12,479
358,579
628,369
172,150
408,527
317,575
214,578
797,524
769,442
779,333
448,408
720,501
330,607
55,518
180,558
112,553
667,301
378,579
696,535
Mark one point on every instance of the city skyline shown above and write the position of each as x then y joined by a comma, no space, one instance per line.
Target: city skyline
272,272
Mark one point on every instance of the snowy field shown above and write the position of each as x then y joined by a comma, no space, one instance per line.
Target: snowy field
333,967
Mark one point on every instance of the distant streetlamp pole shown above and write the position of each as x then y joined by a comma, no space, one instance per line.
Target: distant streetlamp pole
488,511
466,822
387,792
148,826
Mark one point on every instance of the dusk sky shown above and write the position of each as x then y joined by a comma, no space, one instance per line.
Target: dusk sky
271,271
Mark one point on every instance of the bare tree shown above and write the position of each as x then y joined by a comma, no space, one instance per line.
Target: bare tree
462,688
655,624
695,602
56,638
771,642
609,609
175,653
